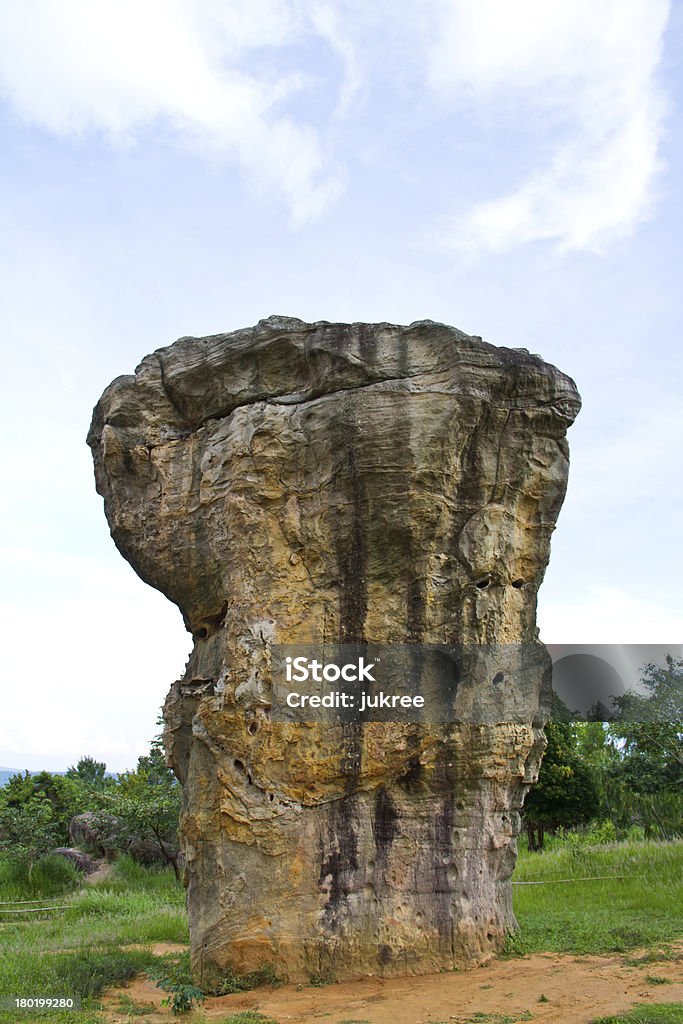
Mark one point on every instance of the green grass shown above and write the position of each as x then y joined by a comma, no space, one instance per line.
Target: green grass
135,905
643,908
78,951
663,1013
84,973
654,956
132,1009
86,949
51,876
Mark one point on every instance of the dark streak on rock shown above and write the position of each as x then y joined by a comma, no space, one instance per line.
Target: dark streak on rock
385,828
339,861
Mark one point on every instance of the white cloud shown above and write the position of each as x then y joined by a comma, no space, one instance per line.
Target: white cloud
225,75
73,66
607,615
589,70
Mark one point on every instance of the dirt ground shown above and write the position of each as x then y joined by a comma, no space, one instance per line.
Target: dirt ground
575,990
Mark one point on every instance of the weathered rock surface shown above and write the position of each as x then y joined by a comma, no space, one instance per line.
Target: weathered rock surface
298,482
81,861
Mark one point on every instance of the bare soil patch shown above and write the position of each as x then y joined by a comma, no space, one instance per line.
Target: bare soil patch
551,988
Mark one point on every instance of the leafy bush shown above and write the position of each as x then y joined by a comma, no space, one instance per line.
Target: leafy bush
597,833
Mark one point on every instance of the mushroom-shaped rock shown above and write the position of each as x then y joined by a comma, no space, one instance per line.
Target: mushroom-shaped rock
299,483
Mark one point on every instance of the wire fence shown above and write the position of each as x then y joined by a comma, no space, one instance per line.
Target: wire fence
46,905
587,878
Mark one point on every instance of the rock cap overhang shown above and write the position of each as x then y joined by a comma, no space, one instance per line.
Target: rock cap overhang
178,388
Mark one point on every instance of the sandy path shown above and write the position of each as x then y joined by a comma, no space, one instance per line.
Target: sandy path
577,990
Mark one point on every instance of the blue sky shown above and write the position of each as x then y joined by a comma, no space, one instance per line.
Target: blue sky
191,166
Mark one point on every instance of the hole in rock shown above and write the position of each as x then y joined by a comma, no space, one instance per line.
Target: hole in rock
271,797
518,584
239,766
499,677
483,583
202,633
253,728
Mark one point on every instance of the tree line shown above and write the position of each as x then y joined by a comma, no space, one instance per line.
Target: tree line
136,812
628,772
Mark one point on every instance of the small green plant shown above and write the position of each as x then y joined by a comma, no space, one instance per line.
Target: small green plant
182,998
231,982
172,974
657,979
543,999
321,978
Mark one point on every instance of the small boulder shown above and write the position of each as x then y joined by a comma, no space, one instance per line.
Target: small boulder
81,861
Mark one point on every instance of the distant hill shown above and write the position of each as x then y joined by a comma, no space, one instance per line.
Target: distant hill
7,773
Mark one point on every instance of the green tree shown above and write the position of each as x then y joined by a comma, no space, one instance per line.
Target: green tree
649,739
650,727
566,793
600,753
146,807
28,829
90,772
64,795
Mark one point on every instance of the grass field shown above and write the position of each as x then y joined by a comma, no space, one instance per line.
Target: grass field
87,948
82,950
640,904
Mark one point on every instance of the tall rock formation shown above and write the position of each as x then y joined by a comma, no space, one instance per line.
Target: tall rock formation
298,482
